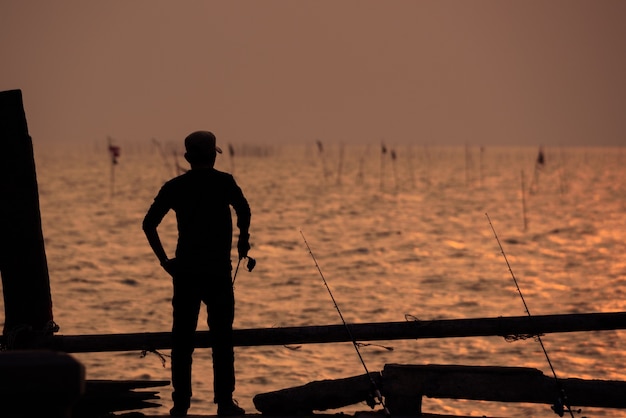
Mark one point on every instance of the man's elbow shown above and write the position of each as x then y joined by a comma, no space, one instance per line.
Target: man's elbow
148,227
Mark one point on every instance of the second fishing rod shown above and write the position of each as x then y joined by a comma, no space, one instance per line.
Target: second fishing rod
562,404
377,394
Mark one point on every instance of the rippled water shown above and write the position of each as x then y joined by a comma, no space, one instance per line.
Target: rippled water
393,237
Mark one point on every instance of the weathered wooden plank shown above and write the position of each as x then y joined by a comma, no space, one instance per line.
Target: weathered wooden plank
403,384
103,397
317,396
403,387
445,328
112,386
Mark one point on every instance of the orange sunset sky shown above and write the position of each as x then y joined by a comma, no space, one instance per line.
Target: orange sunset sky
274,71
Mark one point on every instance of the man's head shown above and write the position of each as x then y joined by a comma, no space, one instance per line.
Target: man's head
200,148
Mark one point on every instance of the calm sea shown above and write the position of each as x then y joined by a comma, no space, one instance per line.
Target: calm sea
397,234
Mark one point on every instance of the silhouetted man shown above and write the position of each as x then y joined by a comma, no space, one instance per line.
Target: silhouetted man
202,268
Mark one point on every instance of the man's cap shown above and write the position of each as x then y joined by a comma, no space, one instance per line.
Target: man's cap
200,145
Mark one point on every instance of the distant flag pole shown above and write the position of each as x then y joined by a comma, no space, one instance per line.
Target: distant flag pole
320,146
541,159
539,164
395,171
231,152
467,164
383,151
179,169
114,152
524,203
482,169
411,168
320,149
360,174
340,166
163,155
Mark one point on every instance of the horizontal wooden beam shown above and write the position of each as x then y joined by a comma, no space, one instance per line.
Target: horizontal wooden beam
376,331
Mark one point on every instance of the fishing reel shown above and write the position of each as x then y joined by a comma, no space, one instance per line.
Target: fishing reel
374,398
560,408
251,263
371,399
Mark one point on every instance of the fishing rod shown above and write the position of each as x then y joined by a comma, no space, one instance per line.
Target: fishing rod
250,266
377,393
562,402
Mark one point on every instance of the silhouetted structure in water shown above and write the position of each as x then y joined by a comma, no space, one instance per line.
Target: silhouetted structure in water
23,264
541,160
539,164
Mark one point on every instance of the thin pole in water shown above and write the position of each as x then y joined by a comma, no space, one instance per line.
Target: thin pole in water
383,152
393,165
231,153
524,202
114,152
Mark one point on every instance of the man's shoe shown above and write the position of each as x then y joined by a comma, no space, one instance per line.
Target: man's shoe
229,409
178,411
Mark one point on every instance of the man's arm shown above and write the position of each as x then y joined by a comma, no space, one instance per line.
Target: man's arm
168,264
150,223
242,210
155,243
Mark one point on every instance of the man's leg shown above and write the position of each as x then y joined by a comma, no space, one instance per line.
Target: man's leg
220,312
186,305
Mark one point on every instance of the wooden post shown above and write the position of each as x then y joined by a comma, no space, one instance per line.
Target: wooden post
23,264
